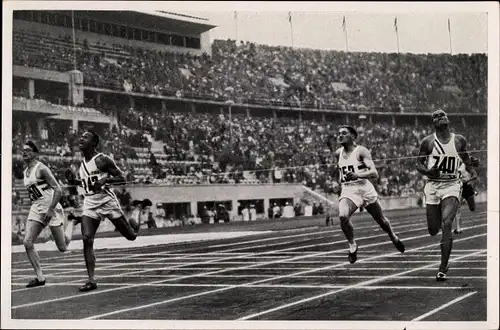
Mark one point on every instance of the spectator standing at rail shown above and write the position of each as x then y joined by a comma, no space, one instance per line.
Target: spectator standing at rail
205,215
276,211
315,209
147,214
245,213
297,209
288,211
308,210
253,213
223,214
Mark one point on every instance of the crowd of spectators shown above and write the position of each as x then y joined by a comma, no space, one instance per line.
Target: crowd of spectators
257,144
206,148
251,73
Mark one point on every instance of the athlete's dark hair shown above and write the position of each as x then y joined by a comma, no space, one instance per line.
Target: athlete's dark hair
438,110
32,145
95,138
351,129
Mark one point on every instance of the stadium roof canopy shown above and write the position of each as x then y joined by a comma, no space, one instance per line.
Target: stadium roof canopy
155,20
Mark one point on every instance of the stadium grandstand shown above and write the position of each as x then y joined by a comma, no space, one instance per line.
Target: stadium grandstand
180,113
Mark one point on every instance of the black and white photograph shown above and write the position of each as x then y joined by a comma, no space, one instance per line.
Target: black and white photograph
250,165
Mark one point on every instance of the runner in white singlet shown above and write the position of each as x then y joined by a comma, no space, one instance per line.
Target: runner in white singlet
440,157
44,193
97,172
101,203
355,168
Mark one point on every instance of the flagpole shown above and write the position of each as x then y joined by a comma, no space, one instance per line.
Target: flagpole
291,26
397,32
449,35
74,38
344,27
236,24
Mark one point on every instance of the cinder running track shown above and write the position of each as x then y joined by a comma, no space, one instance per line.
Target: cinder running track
282,275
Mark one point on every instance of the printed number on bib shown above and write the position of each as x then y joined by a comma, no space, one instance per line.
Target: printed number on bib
345,170
33,192
88,183
447,165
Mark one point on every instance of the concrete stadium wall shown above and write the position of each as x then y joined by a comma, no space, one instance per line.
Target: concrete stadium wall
388,204
214,192
40,74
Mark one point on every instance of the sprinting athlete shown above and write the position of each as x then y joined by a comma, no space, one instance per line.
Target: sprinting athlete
356,167
44,193
468,193
441,155
97,171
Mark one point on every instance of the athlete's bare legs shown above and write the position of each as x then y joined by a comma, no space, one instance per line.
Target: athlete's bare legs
441,217
62,237
128,229
33,230
89,229
449,207
458,219
376,212
346,209
471,201
433,213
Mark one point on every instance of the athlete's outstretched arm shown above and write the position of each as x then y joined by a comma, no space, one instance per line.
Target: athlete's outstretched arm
51,180
462,150
422,158
107,165
336,155
366,158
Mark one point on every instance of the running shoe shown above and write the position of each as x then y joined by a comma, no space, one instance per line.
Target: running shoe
353,256
441,276
89,286
399,245
457,231
34,283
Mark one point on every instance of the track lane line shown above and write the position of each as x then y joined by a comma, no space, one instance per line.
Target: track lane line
161,256
271,275
249,253
304,256
255,268
179,266
364,283
244,267
292,286
407,219
236,257
214,260
169,253
272,279
435,310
